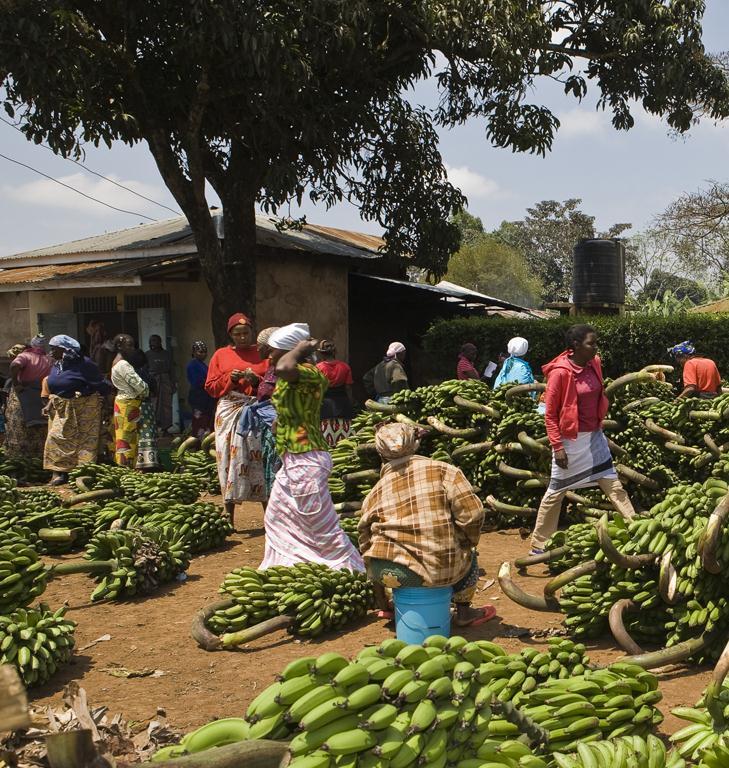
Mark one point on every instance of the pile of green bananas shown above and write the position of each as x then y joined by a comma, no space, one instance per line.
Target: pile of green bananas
204,525
198,460
622,752
131,562
184,488
28,471
22,574
318,598
36,641
349,526
437,704
90,477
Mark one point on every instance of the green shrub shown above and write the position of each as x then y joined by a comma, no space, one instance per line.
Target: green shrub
626,343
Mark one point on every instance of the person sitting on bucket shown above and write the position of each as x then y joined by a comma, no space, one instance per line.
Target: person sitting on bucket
420,524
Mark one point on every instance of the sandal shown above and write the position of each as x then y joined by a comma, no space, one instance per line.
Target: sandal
488,612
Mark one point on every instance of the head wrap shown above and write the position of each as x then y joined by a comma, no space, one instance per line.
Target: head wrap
66,343
468,349
265,334
517,347
199,346
327,347
238,319
684,348
288,336
396,441
395,348
15,350
39,341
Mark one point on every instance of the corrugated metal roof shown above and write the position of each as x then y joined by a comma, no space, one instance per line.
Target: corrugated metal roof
40,273
175,236
450,292
721,305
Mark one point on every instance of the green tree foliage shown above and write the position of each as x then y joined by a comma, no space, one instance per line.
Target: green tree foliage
662,284
488,265
626,343
272,101
547,237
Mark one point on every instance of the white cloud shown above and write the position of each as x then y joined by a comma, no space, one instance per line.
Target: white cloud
582,122
472,184
46,193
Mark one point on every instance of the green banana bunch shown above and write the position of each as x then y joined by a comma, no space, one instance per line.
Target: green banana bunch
317,597
23,576
28,471
349,526
184,488
36,641
621,753
98,476
450,701
201,464
137,561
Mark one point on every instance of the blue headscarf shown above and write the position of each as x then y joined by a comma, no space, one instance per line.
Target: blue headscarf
71,348
684,348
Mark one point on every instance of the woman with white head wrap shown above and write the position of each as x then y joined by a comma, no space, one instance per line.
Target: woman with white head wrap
25,423
301,523
75,391
515,369
388,376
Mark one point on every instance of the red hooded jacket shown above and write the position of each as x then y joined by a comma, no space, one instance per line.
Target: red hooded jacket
561,417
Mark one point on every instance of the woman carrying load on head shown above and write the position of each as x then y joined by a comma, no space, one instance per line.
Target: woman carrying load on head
26,426
233,377
75,388
515,369
700,376
201,404
421,524
575,408
300,521
388,376
337,409
131,390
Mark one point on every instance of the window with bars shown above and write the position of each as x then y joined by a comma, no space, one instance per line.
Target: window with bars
94,304
146,301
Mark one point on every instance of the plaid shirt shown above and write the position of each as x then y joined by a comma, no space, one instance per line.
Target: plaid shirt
422,514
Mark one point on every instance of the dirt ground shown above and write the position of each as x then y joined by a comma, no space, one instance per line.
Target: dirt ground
193,686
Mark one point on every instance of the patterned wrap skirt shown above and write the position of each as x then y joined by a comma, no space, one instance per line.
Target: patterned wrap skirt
127,414
73,432
147,457
21,440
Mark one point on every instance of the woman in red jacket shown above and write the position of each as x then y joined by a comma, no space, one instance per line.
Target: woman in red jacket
233,376
576,406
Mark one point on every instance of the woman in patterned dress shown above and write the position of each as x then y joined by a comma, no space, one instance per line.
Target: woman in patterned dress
301,523
131,389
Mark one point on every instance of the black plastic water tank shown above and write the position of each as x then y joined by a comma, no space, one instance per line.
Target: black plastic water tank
598,275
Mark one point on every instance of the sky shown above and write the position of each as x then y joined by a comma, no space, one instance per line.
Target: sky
620,176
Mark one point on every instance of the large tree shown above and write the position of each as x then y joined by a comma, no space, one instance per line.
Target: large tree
547,236
485,264
269,101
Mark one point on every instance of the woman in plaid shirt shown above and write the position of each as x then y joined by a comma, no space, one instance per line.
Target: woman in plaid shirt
421,523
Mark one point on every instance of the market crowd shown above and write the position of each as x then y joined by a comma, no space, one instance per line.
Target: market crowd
279,400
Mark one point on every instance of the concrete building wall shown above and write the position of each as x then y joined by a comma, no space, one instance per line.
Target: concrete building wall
15,324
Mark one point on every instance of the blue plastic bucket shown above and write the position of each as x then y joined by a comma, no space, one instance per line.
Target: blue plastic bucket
421,612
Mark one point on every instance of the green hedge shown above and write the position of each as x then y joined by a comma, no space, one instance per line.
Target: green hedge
626,343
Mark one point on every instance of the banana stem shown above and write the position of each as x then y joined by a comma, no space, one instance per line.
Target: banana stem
444,429
58,535
231,639
571,574
610,424
98,495
525,389
258,753
366,448
347,507
708,415
656,368
464,450
628,378
666,434
469,405
532,446
667,579
546,557
82,566
674,654
713,532
199,631
616,449
641,403
81,483
207,441
517,474
187,444
363,475
373,405
711,445
685,450
614,555
403,419
509,509
517,594
617,626
637,477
